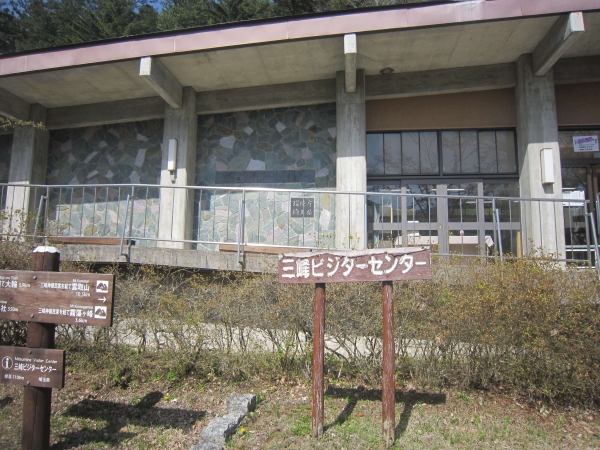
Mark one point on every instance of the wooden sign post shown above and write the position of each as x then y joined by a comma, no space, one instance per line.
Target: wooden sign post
386,265
44,297
37,401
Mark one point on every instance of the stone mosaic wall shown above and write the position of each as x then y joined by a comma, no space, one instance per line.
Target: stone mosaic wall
282,139
5,150
120,154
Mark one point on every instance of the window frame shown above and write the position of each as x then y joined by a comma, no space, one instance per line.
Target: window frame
440,174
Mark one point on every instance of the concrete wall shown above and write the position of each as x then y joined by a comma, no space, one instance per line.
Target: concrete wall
5,151
126,153
271,148
484,109
538,130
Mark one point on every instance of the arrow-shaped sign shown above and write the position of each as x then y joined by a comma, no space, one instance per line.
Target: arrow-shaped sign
103,299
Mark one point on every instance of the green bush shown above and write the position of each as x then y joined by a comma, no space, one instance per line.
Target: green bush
529,326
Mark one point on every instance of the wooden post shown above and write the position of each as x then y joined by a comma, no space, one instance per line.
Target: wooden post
386,265
318,404
35,433
388,413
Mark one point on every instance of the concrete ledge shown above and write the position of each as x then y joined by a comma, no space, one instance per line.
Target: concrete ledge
219,430
193,259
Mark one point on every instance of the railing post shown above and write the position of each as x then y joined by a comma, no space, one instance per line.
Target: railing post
495,224
37,217
366,211
497,213
595,242
587,238
242,222
124,226
131,220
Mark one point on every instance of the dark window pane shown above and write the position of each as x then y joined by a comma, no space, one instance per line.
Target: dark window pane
451,151
429,153
509,209
384,215
574,179
505,142
469,154
487,152
374,154
421,209
462,209
565,142
410,153
391,150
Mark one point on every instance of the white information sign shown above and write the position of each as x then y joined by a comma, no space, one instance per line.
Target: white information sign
585,143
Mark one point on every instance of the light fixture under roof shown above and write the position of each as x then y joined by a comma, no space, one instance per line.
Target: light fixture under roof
386,71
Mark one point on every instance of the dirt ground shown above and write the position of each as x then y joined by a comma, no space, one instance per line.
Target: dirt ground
164,414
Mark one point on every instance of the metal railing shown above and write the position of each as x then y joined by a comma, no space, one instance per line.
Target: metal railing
209,217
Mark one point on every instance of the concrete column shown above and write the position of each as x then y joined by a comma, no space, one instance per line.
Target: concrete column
351,163
177,205
537,129
28,164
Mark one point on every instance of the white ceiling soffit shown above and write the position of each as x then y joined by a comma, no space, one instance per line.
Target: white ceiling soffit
411,50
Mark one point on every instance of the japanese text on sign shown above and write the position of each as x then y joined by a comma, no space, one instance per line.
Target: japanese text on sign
54,297
303,207
32,367
368,265
585,144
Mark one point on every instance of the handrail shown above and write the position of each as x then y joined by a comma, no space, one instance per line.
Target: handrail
312,191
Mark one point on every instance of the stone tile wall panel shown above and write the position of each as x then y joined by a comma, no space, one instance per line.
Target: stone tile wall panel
119,154
281,139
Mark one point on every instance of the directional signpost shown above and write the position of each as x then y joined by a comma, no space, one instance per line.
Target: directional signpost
43,298
57,297
386,265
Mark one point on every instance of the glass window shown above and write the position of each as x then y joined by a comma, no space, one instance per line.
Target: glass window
462,209
421,209
410,153
392,147
384,215
429,152
469,153
463,152
510,210
575,185
565,143
375,154
451,151
487,152
505,145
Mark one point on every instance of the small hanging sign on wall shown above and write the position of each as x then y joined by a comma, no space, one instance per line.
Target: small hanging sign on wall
303,207
585,144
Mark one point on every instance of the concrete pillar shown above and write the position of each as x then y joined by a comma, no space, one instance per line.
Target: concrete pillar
537,129
28,162
177,205
351,163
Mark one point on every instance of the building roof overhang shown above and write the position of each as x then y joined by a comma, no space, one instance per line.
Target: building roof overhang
297,49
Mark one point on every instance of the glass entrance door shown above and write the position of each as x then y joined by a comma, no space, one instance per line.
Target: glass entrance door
578,184
445,216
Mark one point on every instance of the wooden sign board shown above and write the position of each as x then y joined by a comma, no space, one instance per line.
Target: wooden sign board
38,367
57,297
386,264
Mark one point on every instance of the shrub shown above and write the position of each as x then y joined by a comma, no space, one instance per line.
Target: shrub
528,325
